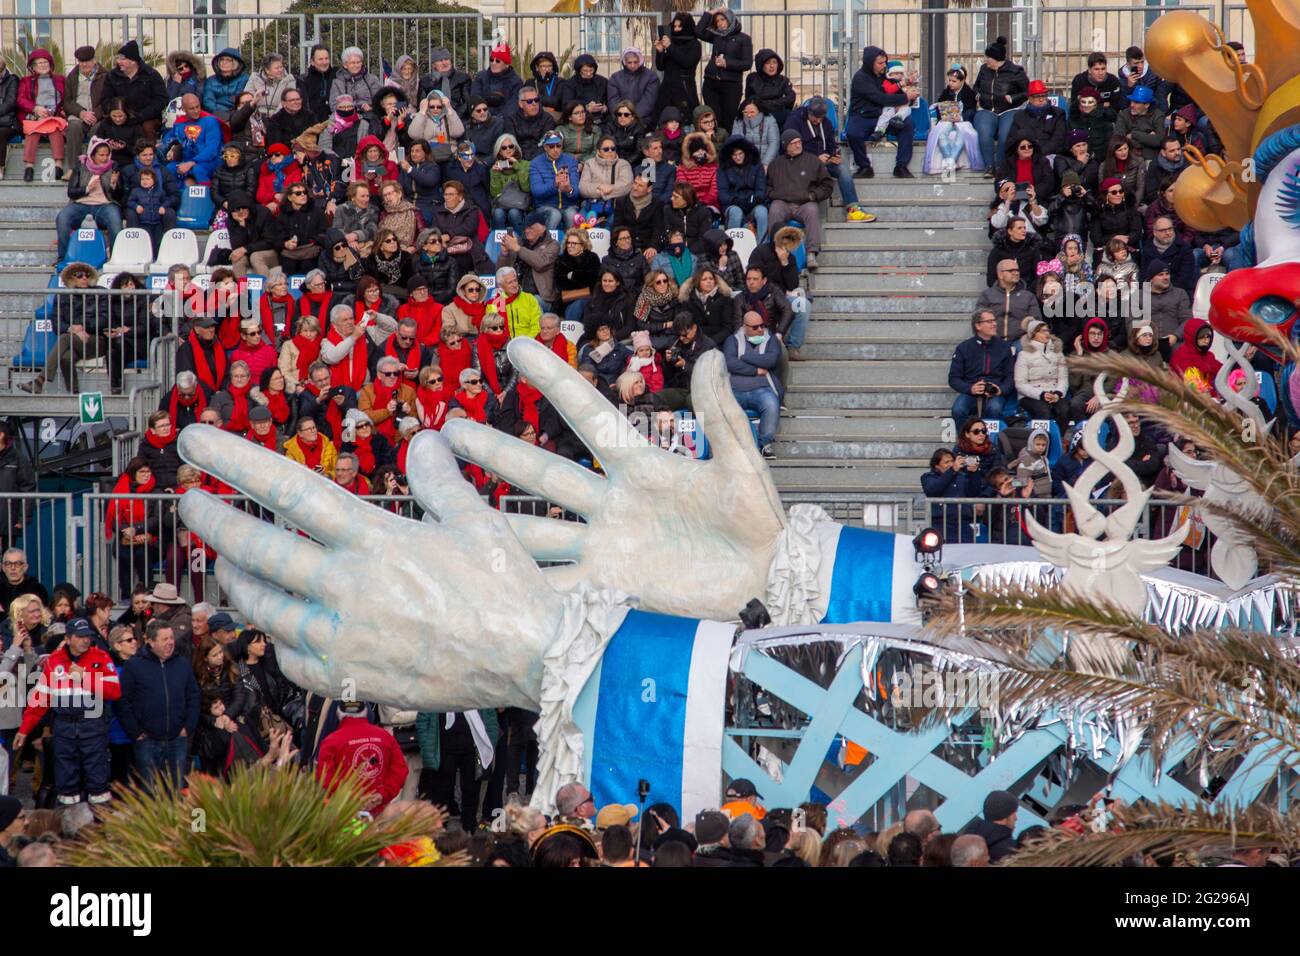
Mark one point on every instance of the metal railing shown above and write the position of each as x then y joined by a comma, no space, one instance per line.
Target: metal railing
61,35
385,38
253,35
44,526
75,339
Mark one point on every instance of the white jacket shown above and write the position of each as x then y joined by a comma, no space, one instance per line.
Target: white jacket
1041,369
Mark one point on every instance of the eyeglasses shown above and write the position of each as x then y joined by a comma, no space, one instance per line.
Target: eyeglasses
126,640
509,147
14,564
979,431
390,239
622,113
435,378
473,288
754,328
661,281
608,149
531,99
553,145
297,192
337,246
388,375
480,109
473,381
1114,192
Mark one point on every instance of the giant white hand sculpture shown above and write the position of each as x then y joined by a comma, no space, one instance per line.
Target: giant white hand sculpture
687,537
1232,556
1104,563
450,614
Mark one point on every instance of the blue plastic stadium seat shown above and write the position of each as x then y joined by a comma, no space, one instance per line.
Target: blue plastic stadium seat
85,245
196,209
1267,391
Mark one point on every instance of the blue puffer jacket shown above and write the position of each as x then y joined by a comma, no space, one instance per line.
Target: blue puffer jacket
159,698
221,92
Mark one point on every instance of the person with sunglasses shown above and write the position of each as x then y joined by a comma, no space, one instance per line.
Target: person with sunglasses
529,123
1116,215
278,172
482,127
1025,163
438,125
440,271
607,178
498,85
508,167
299,226
627,130
977,451
982,371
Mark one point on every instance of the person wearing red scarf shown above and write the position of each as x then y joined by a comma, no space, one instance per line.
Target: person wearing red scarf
555,340
431,399
466,309
221,301
491,349
317,304
158,449
299,352
271,393
132,524
346,349
478,404
233,402
186,401
261,429
387,398
423,309
185,545
404,345
277,306
454,353
347,475
202,355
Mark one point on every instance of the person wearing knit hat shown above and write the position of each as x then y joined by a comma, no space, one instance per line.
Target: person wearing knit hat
997,824
443,76
634,81
499,84
1000,87
1088,112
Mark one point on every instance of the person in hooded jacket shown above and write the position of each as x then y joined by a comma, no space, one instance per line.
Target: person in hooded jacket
688,216
39,102
604,351
1000,88
391,118
140,85
633,81
586,85
482,127
769,87
730,58
611,302
1025,163
1041,376
1078,158
1192,360
1095,338
437,267
707,298
452,83
677,57
339,265
717,253
699,167
233,175
867,100
499,84
229,78
759,128
546,80
185,74
742,186
254,235
438,125
345,128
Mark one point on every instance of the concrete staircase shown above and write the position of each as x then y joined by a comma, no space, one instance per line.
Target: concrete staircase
891,298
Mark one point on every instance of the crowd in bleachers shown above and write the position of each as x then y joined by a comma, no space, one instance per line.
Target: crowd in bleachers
1088,256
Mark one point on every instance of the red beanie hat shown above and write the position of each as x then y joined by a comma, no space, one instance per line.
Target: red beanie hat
501,53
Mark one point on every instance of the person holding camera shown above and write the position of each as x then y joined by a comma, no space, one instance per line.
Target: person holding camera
388,398
951,476
1070,210
681,356
982,372
1016,201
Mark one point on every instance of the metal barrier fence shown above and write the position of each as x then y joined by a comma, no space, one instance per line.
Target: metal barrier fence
61,35
50,332
46,529
385,38
253,35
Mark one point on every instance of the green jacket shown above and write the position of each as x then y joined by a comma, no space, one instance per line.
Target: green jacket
497,180
578,143
1146,130
427,733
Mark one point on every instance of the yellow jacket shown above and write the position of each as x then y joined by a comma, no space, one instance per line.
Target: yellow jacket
328,455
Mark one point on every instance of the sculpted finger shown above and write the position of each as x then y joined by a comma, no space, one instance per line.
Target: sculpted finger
285,559
292,621
526,466
601,426
303,498
549,539
436,481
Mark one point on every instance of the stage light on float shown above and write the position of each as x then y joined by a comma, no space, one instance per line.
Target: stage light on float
928,587
928,546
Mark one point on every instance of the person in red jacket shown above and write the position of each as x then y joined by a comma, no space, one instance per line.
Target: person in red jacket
279,171
42,112
368,752
75,685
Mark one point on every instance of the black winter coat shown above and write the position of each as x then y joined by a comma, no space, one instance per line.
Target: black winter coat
594,90
647,227
774,94
145,93
284,127
315,87
678,64
1110,220
9,100
227,180
159,698
735,45
993,86
307,223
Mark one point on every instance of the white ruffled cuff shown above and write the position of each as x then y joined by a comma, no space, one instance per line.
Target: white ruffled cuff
590,619
797,589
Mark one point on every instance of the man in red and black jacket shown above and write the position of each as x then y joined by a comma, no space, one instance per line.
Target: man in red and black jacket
75,686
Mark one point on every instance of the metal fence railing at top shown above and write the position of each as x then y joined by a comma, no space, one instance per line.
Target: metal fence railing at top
61,34
809,42
385,38
45,527
253,35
